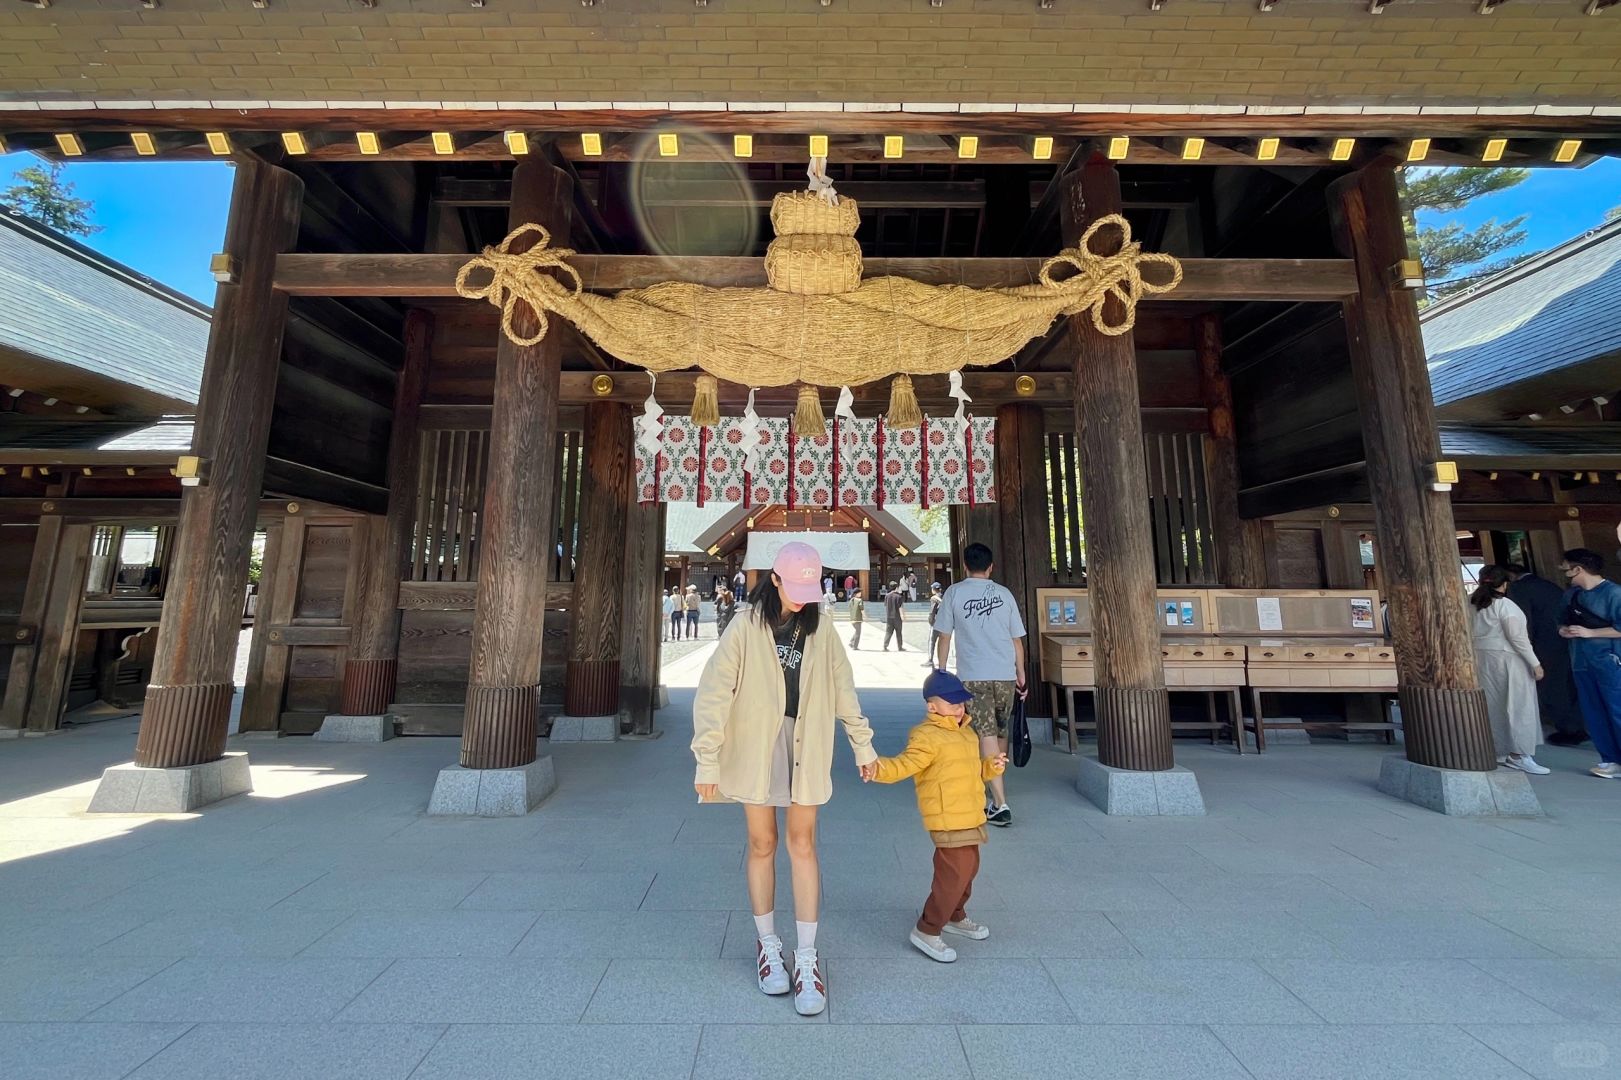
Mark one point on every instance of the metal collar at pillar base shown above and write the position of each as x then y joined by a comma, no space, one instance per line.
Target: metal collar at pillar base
368,686
501,727
1134,728
591,688
1448,729
183,725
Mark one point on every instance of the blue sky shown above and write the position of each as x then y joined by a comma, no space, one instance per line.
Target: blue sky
166,218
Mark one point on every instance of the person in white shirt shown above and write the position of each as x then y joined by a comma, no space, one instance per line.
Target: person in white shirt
984,619
1508,669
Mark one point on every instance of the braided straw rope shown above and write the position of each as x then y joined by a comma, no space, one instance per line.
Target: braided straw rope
762,337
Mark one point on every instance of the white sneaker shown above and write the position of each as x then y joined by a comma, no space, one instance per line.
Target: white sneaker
1609,770
773,973
933,947
810,991
1526,764
968,928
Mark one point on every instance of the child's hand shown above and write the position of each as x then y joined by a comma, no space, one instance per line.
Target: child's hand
707,792
869,772
999,764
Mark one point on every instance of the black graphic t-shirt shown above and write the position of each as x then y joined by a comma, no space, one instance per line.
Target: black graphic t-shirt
791,657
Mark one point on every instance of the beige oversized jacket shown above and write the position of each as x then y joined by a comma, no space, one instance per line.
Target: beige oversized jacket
737,714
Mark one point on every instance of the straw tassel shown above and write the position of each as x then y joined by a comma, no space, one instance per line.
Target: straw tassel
903,407
705,401
808,419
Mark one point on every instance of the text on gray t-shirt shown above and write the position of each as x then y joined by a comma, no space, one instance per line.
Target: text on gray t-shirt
983,619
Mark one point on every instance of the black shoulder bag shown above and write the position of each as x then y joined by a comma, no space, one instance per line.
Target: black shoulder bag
1018,735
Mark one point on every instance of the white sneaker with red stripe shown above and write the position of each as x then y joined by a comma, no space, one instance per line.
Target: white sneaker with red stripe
810,991
773,972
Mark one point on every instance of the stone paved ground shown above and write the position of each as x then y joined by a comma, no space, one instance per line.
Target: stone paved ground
323,927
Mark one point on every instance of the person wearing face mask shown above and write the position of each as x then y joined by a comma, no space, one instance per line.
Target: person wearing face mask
1592,625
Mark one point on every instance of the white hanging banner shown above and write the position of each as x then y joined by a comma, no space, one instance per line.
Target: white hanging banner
837,550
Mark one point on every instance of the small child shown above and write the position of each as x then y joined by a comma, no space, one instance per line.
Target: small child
942,753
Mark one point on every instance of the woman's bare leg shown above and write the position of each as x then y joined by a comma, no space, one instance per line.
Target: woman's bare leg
762,857
807,873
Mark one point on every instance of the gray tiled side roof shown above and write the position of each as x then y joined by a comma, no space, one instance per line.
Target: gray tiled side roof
164,435
1561,308
1529,439
64,303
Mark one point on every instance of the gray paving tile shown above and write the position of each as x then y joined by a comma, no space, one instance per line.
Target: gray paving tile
638,858
1256,892
1556,1051
293,1052
1407,992
1363,1052
1219,935
609,934
1563,933
503,990
920,991
819,1051
38,932
231,989
393,934
247,933
69,987
572,890
1433,889
79,1051
373,890
251,890
657,991
1415,935
1087,892
583,1052
684,890
1128,1052
1160,991
1584,990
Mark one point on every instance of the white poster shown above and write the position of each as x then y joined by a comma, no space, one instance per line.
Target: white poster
1269,610
1362,612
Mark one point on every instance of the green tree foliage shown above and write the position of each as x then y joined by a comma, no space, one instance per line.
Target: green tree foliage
1454,255
40,192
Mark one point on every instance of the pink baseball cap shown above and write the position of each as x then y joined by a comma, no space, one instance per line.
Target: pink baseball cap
800,568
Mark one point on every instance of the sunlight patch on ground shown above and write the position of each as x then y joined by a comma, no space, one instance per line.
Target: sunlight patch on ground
281,781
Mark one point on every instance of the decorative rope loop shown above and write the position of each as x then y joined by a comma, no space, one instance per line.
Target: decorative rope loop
516,276
1099,276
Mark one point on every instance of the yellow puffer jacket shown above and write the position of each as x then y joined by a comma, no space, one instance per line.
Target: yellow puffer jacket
950,774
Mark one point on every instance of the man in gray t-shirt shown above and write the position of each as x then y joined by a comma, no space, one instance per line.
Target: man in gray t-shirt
983,618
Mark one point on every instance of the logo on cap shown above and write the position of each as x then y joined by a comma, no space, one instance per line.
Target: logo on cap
808,573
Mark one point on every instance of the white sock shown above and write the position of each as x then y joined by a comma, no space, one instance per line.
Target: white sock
765,925
806,935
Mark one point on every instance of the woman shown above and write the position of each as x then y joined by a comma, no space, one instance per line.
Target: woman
1508,670
725,607
763,736
672,611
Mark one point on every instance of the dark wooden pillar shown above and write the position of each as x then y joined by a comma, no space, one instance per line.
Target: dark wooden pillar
1443,709
1240,552
644,619
591,683
40,665
1022,545
1134,717
188,704
369,673
517,530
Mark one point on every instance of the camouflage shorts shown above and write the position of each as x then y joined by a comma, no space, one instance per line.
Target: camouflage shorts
992,705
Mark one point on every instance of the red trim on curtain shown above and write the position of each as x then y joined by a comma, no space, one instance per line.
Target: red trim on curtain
923,460
792,449
703,462
968,447
880,500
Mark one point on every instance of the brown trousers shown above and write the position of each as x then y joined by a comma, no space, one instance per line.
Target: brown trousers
954,870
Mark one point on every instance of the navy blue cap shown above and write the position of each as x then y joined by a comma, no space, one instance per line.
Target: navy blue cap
947,687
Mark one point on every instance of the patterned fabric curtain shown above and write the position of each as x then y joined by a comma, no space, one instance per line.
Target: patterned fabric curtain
859,463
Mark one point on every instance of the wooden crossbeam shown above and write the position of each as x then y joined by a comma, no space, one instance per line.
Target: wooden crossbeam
869,194
435,275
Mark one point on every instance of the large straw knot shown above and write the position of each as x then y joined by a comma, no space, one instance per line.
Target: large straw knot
1100,275
517,276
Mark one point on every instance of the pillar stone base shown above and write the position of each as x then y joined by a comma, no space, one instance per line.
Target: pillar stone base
356,729
1455,792
1172,792
585,729
492,792
134,789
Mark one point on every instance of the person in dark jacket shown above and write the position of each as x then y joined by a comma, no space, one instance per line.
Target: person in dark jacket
894,605
1543,602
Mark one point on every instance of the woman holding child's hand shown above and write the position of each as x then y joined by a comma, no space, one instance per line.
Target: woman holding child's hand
763,723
